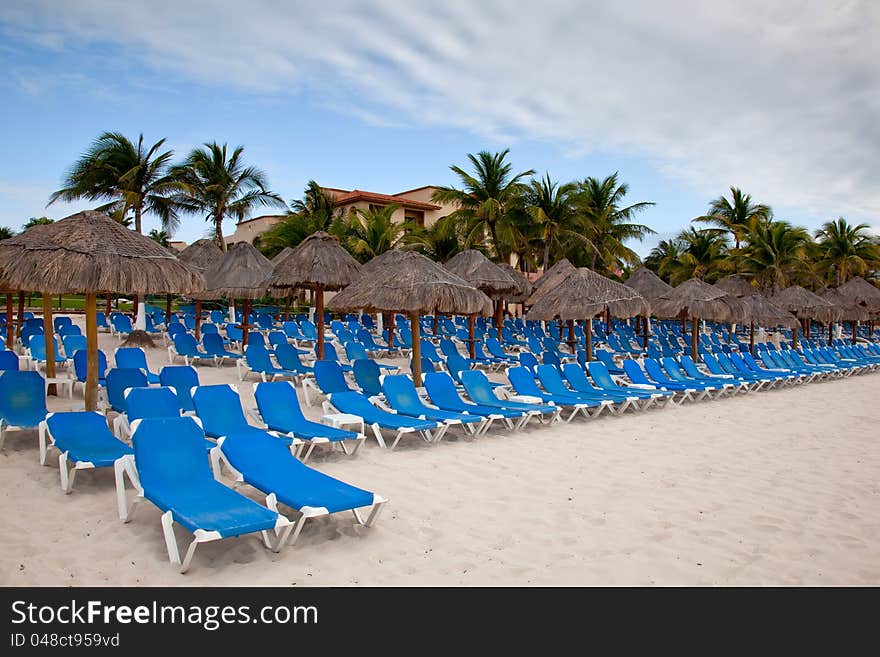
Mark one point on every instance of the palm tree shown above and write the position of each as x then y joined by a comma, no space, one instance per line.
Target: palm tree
663,258
6,232
439,241
549,206
37,221
221,186
845,251
372,232
608,224
702,254
160,236
736,216
315,211
776,254
485,197
133,178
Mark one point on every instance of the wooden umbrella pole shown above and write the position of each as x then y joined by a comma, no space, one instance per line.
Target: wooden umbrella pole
319,309
10,325
499,318
572,343
198,319
287,307
434,328
20,322
589,332
645,328
109,305
471,349
245,311
91,391
390,339
416,350
855,331
795,336
167,310
752,337
683,325
695,352
49,337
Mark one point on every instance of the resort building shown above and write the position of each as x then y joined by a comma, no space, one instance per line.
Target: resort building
415,205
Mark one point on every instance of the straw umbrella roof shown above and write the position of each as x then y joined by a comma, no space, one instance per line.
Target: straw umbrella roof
647,283
482,273
411,283
763,312
387,259
694,298
317,262
804,303
201,254
736,285
847,307
90,253
550,279
862,292
584,293
523,284
281,255
242,273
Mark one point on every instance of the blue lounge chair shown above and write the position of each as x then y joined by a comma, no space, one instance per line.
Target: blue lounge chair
367,375
602,379
477,386
330,354
182,379
691,369
402,398
218,407
9,360
80,369
37,351
699,389
443,393
72,344
576,377
184,346
607,358
525,386
22,401
84,442
120,325
373,348
674,371
136,358
715,368
214,347
356,403
142,403
354,350
551,381
528,360
280,410
256,359
118,380
638,376
330,377
101,320
173,473
268,466
496,351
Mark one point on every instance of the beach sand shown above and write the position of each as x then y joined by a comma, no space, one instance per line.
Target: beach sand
772,488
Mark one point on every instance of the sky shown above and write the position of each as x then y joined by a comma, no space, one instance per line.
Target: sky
682,99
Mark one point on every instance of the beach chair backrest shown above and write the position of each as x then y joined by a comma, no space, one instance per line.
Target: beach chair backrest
652,367
476,384
182,379
234,332
455,365
288,357
576,377
427,365
400,393
80,364
367,374
599,374
257,357
69,329
551,358
120,378
216,316
185,344
219,408
278,403
8,360
523,381
551,380
131,357
635,373
72,344
276,338
441,389
212,343
330,377
22,398
354,350
448,348
58,322
528,359
151,402
170,453
121,323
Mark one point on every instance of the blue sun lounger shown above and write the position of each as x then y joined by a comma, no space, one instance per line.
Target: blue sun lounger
600,376
84,442
22,401
524,384
170,470
551,381
134,357
279,408
356,403
478,388
675,373
215,348
402,397
141,403
577,379
268,466
219,410
256,359
443,393
690,367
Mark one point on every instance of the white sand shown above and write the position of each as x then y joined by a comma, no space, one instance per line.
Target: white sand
773,488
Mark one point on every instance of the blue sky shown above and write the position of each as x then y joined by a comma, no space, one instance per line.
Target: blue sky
683,100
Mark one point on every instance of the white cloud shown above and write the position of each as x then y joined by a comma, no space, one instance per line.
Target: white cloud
778,98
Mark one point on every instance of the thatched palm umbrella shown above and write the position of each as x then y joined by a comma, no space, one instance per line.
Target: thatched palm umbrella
582,295
736,285
91,254
373,267
278,258
697,300
548,280
523,284
764,313
865,295
803,304
650,286
847,308
319,263
242,273
485,275
413,284
200,255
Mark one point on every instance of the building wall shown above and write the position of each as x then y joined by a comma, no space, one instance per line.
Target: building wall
246,231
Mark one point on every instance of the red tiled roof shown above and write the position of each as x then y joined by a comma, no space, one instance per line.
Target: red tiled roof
417,189
359,195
